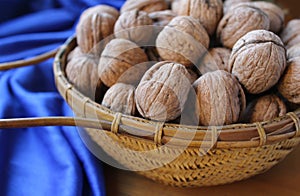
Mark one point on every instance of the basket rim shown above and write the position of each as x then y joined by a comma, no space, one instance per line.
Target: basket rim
227,136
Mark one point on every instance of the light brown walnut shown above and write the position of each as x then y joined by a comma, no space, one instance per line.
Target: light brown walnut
163,91
258,60
135,26
82,72
162,18
119,56
120,98
94,30
289,85
215,59
263,109
293,51
144,5
238,22
220,97
184,40
291,33
229,4
102,9
208,12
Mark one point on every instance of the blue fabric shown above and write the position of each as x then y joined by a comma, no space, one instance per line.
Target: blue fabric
43,160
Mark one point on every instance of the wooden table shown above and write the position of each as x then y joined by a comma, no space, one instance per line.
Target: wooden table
283,179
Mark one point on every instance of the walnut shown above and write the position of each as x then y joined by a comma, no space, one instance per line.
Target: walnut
102,9
208,12
163,91
82,73
220,97
293,51
239,21
258,60
144,5
118,56
120,98
229,4
183,40
291,33
263,109
215,59
91,30
74,53
162,18
289,85
275,13
134,26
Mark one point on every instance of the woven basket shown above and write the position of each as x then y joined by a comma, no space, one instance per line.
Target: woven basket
181,155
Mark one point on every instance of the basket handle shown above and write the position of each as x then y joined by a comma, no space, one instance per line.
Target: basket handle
32,61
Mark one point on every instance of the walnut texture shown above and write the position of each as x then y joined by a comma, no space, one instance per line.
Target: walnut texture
82,72
102,9
135,26
228,4
208,12
215,59
258,60
184,40
289,85
162,18
94,31
293,51
163,91
119,56
263,109
144,5
291,33
238,22
120,98
220,97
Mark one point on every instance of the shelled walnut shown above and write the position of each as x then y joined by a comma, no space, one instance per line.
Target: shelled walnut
289,85
291,33
220,97
264,108
81,71
118,56
215,59
94,30
208,12
163,91
144,5
135,26
120,98
184,40
258,60
239,21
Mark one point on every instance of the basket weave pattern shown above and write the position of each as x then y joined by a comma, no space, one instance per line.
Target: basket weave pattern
203,156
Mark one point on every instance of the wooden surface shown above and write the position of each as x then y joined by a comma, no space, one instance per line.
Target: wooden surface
283,179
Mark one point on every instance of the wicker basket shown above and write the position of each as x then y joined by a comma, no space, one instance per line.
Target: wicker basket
180,155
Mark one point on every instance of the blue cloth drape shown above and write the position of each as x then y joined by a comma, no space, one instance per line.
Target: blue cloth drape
43,160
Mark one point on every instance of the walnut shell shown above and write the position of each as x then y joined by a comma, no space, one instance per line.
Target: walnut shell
291,33
74,53
229,4
208,12
263,109
144,5
163,91
238,22
118,56
91,31
215,59
258,60
134,26
293,51
82,72
162,18
183,40
102,9
120,98
220,97
289,85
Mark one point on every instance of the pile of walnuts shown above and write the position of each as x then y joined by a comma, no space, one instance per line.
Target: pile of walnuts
197,62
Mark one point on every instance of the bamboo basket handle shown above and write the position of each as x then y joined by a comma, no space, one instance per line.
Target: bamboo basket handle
32,61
